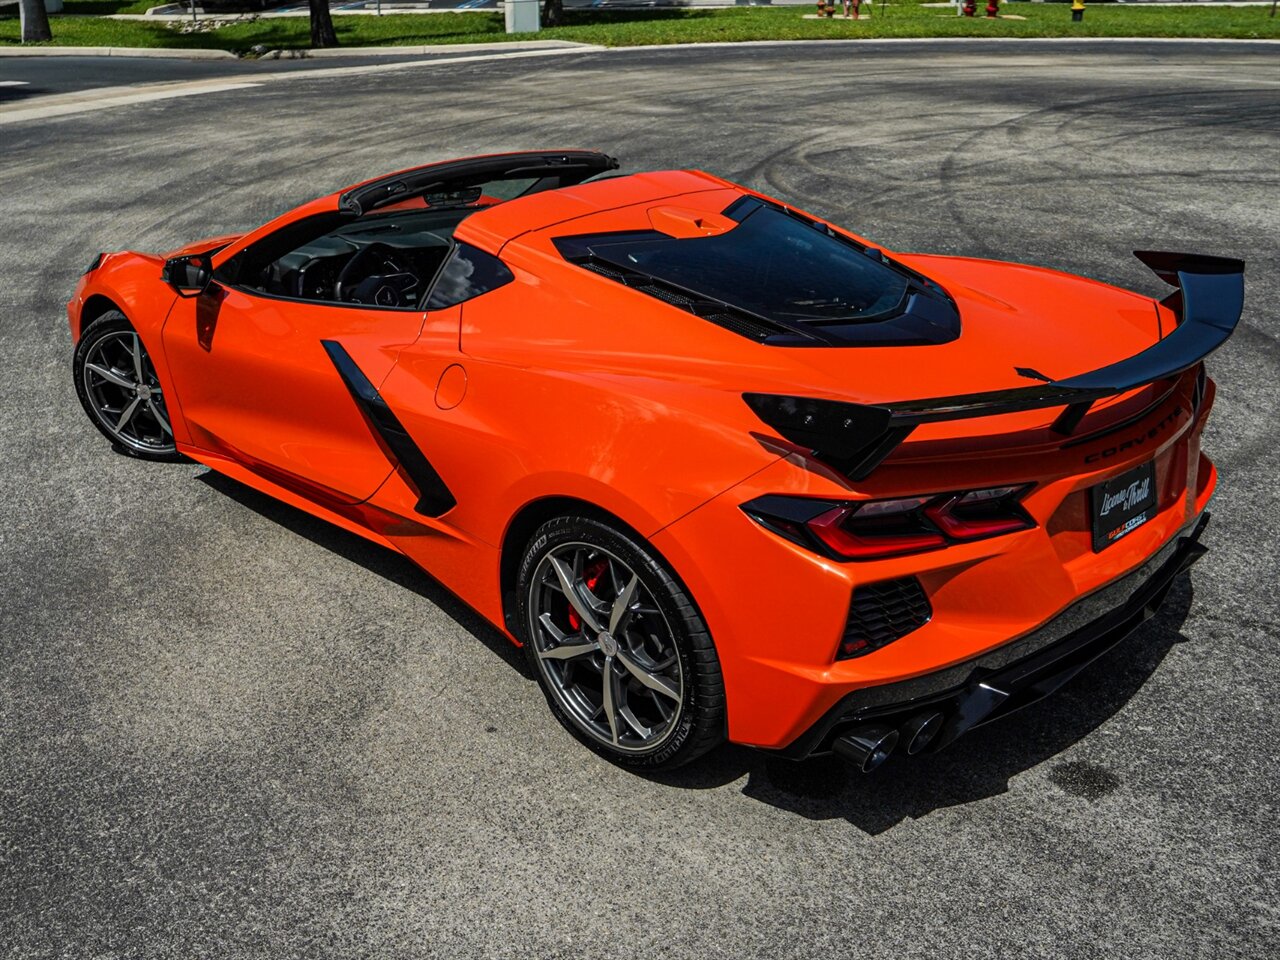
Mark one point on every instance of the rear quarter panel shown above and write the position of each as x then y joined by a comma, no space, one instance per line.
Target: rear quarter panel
647,436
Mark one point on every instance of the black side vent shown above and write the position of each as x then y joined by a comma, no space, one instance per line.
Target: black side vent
434,497
604,270
881,613
741,322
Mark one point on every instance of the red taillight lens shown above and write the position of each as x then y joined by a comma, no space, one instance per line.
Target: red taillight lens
857,538
979,514
875,529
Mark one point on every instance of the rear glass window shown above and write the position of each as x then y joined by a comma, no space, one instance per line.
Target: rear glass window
771,264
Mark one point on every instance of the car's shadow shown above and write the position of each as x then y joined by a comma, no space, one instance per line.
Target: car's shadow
975,767
374,558
18,91
978,766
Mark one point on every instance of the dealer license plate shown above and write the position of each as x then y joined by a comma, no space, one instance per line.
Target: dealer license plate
1121,505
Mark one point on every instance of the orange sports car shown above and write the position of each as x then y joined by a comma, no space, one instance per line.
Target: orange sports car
722,468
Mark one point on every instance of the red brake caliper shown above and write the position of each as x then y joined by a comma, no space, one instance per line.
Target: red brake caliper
592,576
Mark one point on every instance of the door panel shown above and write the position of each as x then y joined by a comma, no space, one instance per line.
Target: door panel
255,383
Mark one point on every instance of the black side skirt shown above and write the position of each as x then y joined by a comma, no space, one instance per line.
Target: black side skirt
434,497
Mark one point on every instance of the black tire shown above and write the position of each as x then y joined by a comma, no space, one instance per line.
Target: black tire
699,723
150,439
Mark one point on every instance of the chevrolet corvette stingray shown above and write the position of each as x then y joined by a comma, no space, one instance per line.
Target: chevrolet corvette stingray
724,469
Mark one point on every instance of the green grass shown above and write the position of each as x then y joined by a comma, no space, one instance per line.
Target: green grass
634,28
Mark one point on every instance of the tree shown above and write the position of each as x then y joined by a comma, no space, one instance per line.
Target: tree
552,13
35,21
322,32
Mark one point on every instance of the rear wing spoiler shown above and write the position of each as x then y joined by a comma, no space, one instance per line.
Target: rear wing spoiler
856,438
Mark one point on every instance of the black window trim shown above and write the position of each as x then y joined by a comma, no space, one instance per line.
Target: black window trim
420,307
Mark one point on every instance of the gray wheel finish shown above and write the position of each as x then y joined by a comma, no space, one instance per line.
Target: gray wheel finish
604,648
123,393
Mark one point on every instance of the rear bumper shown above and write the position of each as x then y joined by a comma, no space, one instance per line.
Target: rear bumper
1015,674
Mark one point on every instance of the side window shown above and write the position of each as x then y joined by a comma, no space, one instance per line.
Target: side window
384,260
466,274
251,266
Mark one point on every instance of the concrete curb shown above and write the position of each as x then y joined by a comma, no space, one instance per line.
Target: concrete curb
501,48
497,47
151,52
874,41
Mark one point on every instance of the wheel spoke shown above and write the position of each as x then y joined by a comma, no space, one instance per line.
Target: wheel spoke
549,625
110,376
621,606
127,414
564,649
609,698
651,680
634,723
137,358
569,586
160,417
567,651
598,606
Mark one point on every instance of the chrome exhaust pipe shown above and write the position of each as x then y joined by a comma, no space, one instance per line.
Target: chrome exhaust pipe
866,747
920,731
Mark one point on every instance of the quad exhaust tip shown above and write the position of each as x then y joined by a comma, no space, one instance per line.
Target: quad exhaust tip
866,747
920,731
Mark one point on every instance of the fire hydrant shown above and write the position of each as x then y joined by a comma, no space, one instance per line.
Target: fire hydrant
970,7
993,9
1077,10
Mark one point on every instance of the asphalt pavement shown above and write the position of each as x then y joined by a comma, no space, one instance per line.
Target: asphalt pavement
229,730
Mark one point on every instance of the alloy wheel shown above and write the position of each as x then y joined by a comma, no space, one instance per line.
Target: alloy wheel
125,394
605,648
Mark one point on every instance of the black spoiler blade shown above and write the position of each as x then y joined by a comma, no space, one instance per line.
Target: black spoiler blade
856,438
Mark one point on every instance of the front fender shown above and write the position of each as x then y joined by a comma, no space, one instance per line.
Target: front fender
130,282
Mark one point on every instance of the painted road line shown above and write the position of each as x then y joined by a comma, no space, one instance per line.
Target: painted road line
89,100
63,104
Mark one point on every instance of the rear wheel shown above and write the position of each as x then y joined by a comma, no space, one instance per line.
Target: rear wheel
620,650
118,388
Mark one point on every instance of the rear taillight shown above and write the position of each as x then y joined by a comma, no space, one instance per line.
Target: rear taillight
874,529
881,533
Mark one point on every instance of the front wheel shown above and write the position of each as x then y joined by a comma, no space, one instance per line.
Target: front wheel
118,388
620,650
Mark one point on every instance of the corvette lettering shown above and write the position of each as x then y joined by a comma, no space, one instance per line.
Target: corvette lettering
1137,441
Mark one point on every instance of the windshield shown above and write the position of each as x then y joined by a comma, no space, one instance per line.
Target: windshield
771,264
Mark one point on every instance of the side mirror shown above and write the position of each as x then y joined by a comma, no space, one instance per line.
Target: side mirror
189,275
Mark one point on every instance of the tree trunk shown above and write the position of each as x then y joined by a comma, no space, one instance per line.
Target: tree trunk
35,21
552,13
322,33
